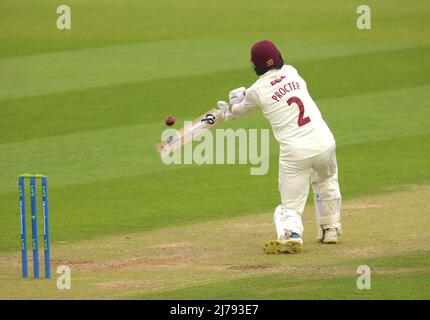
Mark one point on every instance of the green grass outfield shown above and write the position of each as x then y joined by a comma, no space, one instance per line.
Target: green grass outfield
86,106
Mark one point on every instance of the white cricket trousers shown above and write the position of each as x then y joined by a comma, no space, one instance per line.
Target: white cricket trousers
294,179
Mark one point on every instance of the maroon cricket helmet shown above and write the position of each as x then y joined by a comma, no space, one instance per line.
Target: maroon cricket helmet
265,56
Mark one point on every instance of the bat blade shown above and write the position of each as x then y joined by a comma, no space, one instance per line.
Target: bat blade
184,135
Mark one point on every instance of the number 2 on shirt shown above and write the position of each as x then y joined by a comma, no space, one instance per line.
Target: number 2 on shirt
301,121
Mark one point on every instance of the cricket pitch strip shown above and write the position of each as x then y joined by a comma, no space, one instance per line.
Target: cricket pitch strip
217,259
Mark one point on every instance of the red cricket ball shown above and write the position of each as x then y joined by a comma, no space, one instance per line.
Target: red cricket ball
170,120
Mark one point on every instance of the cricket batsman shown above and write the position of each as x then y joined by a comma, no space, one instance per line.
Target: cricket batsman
307,147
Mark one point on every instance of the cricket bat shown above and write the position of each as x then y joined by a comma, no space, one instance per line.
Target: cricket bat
186,134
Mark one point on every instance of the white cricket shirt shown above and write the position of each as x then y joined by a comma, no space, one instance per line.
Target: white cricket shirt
296,120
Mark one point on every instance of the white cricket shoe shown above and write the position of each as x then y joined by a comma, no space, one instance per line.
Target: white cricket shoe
330,236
